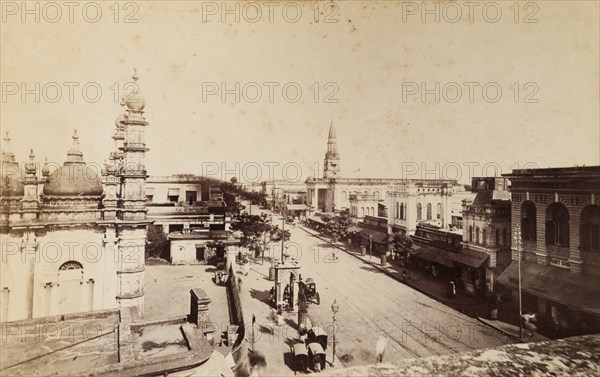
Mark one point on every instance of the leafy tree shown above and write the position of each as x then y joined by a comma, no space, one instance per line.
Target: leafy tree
402,242
337,226
157,243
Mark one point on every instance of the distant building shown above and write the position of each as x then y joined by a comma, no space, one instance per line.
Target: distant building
413,202
487,226
555,220
362,196
459,197
190,210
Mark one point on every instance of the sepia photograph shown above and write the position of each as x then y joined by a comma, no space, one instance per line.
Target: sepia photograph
343,188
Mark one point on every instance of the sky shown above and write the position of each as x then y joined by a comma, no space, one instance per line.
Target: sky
446,92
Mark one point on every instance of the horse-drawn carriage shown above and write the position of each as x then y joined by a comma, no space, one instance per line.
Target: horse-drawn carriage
317,335
308,356
309,289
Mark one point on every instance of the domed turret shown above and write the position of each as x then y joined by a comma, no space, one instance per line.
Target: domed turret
45,169
11,183
134,100
74,178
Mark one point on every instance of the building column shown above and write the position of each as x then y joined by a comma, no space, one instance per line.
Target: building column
541,252
575,261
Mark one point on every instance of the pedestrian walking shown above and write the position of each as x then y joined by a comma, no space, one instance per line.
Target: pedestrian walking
279,316
246,269
495,302
404,276
451,289
380,347
528,320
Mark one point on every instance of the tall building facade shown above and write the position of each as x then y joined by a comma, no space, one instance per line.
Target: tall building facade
74,240
555,221
487,226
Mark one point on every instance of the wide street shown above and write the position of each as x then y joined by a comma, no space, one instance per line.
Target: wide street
371,303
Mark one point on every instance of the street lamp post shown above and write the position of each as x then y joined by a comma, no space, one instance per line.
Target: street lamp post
334,308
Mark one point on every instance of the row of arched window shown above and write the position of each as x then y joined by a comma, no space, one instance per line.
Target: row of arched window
429,211
367,211
480,236
557,225
402,209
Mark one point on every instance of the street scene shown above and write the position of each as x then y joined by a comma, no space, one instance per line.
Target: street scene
319,187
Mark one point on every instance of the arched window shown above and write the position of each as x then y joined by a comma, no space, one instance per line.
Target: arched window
590,228
377,194
419,214
484,236
557,225
397,210
471,233
402,211
70,265
439,211
362,211
497,237
344,196
528,221
477,235
428,211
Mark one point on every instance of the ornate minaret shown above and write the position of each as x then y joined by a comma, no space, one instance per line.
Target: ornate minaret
30,201
332,158
131,211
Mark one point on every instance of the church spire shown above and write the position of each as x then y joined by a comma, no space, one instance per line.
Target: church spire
332,157
331,131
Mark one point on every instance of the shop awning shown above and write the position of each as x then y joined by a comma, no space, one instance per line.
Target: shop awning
432,254
378,236
471,258
316,220
554,284
296,207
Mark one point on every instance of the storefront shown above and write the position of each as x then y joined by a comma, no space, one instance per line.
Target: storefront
565,304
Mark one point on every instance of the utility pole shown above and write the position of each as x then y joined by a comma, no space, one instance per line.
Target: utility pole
519,267
282,231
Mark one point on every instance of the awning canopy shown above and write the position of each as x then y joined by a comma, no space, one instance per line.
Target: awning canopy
296,207
316,220
432,254
554,284
378,236
471,258
173,192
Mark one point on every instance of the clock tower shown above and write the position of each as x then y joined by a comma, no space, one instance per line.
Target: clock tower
332,158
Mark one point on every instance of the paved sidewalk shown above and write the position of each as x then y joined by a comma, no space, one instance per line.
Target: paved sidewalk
513,331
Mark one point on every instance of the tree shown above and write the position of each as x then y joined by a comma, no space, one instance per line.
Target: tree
402,242
337,226
233,180
157,243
